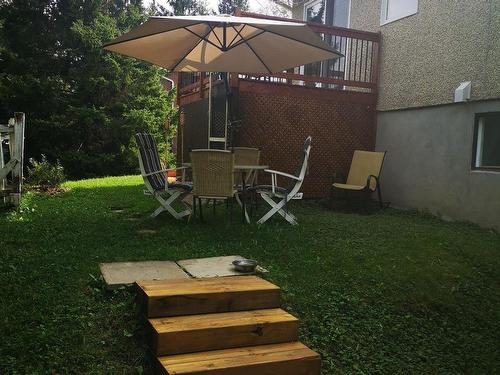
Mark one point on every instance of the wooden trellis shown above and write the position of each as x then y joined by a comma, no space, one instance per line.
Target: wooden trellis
11,159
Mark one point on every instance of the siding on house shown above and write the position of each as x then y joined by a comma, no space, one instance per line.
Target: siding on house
428,138
424,57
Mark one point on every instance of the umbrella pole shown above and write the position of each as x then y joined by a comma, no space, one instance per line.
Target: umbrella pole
229,112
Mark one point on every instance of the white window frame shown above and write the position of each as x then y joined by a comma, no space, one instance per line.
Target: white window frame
312,3
384,13
477,156
479,143
304,18
348,15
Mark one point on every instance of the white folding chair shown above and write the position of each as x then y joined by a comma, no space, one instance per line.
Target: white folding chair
278,197
156,181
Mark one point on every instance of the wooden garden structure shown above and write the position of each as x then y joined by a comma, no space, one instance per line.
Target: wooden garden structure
11,159
332,101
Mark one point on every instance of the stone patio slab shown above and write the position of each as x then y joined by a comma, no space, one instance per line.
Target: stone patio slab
214,267
125,273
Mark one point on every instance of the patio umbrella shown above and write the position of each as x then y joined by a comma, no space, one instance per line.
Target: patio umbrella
223,44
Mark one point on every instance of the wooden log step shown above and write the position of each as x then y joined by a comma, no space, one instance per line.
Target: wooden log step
201,296
292,358
196,333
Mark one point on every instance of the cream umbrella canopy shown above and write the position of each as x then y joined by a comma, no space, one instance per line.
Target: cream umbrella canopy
223,44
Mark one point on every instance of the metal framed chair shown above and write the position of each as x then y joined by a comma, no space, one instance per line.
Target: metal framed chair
213,177
278,197
155,179
363,174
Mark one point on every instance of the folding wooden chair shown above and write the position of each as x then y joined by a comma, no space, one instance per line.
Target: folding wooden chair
156,181
278,197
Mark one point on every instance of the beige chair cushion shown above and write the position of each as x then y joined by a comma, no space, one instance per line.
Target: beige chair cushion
348,187
365,163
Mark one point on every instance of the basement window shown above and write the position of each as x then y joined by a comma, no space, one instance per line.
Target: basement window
486,152
393,10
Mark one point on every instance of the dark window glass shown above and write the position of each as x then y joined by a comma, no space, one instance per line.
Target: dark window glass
487,141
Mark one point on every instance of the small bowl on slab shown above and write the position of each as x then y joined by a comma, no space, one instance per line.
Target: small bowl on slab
245,265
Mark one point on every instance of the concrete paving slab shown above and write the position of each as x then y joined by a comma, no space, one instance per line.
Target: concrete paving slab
125,273
214,267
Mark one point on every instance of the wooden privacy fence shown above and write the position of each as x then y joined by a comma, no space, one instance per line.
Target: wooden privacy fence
11,159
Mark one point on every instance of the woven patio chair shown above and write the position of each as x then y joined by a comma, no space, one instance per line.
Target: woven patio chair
364,174
278,197
246,156
213,177
156,181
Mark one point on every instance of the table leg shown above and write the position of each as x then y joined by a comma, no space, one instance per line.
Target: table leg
243,194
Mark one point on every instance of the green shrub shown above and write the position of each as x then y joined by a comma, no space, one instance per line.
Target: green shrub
45,175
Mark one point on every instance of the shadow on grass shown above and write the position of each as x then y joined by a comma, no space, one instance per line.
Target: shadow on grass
388,292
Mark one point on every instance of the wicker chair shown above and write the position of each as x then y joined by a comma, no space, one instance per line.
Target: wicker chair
246,156
213,176
156,181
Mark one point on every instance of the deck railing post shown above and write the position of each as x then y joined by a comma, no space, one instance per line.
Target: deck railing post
234,80
202,85
179,87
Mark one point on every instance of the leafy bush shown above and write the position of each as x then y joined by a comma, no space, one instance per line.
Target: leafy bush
45,175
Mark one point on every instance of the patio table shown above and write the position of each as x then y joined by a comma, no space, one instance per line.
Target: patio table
245,171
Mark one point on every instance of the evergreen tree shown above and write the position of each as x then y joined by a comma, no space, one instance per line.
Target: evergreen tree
188,7
228,6
83,104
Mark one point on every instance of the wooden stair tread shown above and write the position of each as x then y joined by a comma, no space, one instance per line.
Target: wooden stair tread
186,334
220,320
209,285
201,296
292,358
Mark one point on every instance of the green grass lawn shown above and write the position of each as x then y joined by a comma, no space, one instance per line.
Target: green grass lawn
388,293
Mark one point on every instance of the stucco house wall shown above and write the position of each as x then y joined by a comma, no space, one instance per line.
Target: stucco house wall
428,138
424,57
428,163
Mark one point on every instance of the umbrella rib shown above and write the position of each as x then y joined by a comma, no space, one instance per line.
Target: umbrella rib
242,41
152,34
203,37
300,41
189,51
260,59
237,34
215,34
255,53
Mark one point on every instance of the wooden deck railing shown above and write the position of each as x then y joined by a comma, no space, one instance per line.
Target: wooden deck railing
357,70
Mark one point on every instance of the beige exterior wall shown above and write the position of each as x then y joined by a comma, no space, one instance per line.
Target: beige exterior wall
424,57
